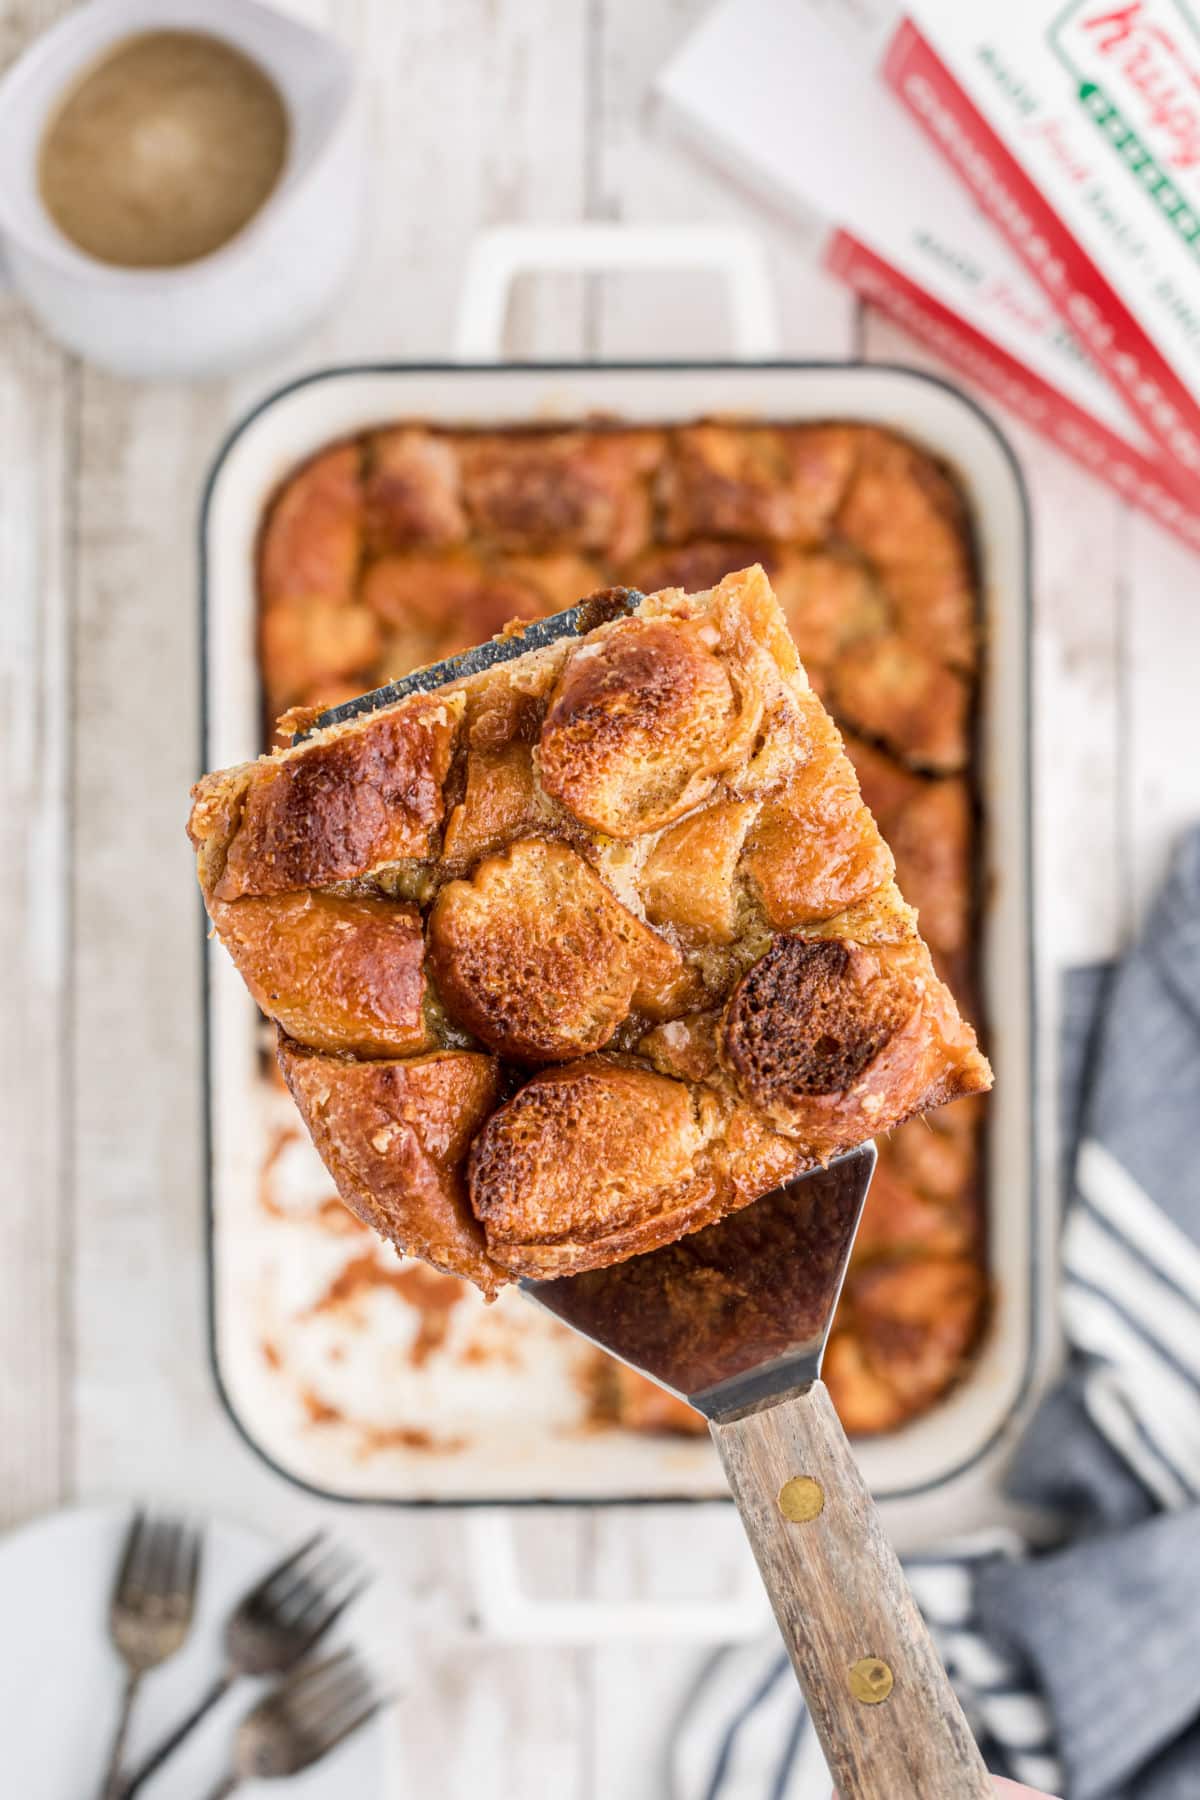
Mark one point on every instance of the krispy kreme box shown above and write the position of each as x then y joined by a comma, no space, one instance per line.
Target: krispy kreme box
786,95
1076,127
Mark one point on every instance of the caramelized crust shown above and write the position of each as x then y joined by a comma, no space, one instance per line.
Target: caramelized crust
901,1220
308,637
911,1324
559,579
587,490
906,518
928,826
536,957
431,606
394,1136
689,877
830,600
814,849
413,491
836,1041
499,803
637,727
697,565
342,804
312,541
337,973
598,1161
773,481
891,689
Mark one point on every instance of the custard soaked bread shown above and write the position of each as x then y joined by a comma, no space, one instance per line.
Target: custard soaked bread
579,954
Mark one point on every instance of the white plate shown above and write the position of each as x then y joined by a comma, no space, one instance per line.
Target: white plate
62,1680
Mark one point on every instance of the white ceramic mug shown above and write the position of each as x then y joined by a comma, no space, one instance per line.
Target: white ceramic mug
270,282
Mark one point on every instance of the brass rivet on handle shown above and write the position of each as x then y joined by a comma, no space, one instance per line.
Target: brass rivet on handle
871,1681
801,1499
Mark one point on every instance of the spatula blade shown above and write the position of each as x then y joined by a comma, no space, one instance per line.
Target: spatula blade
736,1314
576,621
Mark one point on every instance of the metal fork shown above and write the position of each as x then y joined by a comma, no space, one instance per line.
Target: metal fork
280,1620
317,1708
150,1612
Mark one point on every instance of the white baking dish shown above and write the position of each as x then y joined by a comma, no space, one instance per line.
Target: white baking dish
951,1446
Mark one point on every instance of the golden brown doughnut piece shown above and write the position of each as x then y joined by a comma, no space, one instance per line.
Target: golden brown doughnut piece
835,1041
814,849
782,482
700,564
351,799
581,1151
939,1154
559,578
412,490
337,973
688,878
308,641
917,1321
537,958
588,490
891,689
312,539
901,1219
928,825
433,605
598,1160
498,804
907,518
829,600
637,726
394,1136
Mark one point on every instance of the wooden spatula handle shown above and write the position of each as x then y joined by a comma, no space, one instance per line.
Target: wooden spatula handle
887,1717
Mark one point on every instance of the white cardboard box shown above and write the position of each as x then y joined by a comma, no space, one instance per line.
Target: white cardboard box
786,95
1076,126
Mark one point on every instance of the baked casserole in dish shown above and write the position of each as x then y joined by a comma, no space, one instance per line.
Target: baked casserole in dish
408,543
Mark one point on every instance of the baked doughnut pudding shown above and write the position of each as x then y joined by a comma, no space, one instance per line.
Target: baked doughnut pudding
577,955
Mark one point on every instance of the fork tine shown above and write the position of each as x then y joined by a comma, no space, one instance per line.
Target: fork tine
315,1584
185,1570
312,1685
258,1594
330,1689
163,1545
334,1608
130,1553
308,1676
311,1584
351,1725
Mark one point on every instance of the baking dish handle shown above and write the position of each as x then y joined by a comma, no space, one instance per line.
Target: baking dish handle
506,1613
499,255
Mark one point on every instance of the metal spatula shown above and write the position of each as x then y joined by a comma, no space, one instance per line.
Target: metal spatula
735,1319
576,621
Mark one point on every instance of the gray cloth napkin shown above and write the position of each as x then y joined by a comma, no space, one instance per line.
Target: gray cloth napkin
1079,1667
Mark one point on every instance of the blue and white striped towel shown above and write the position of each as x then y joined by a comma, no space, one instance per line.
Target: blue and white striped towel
1079,1667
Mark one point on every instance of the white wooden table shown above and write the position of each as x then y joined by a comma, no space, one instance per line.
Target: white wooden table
481,111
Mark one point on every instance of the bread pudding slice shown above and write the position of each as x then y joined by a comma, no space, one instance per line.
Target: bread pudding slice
579,954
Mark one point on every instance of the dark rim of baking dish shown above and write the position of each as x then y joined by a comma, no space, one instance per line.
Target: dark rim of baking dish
1033,1344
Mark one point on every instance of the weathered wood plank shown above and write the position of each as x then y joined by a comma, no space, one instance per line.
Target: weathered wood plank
457,141
36,443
